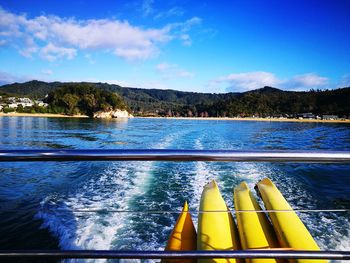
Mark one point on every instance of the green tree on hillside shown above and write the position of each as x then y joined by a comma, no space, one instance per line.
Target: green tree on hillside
83,99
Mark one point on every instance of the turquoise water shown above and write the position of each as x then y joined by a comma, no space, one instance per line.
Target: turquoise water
39,201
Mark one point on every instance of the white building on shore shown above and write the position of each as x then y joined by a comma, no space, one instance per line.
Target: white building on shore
40,103
12,105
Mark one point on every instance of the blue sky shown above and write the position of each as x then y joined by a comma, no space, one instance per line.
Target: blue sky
213,46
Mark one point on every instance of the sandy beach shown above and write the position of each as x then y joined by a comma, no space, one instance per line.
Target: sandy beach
43,115
251,119
49,115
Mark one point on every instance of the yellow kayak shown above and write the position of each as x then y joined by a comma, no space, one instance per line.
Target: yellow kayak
216,230
255,230
183,236
290,230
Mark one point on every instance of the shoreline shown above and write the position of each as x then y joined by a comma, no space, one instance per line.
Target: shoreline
51,115
247,119
42,115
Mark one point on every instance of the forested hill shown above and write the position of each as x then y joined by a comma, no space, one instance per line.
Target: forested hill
266,101
139,100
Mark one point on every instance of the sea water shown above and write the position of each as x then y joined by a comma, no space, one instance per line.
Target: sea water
83,205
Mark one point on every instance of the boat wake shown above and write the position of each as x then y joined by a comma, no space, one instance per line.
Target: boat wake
86,218
203,174
82,219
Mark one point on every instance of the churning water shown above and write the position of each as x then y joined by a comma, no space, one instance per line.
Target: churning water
72,205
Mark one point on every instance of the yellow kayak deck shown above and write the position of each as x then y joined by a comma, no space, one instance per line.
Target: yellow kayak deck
214,213
255,229
183,237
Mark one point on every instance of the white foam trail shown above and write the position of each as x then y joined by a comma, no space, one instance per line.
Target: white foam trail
344,242
114,189
203,175
331,231
134,238
250,172
121,183
325,228
89,230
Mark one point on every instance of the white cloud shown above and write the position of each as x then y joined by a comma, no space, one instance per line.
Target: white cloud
254,80
135,53
163,66
10,23
169,71
194,21
7,78
29,48
175,11
180,30
344,82
28,51
51,52
54,37
246,81
186,40
48,72
89,59
305,81
185,74
147,7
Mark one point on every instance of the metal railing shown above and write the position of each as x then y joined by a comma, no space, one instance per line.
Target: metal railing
175,155
136,254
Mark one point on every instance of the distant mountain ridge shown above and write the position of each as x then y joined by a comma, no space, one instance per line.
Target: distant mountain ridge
137,98
266,101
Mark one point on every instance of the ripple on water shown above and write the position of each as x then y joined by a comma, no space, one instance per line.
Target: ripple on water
63,187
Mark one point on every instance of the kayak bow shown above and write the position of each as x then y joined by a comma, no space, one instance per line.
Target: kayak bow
216,227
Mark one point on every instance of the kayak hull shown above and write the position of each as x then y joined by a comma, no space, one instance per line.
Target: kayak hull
290,230
183,237
255,230
216,227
